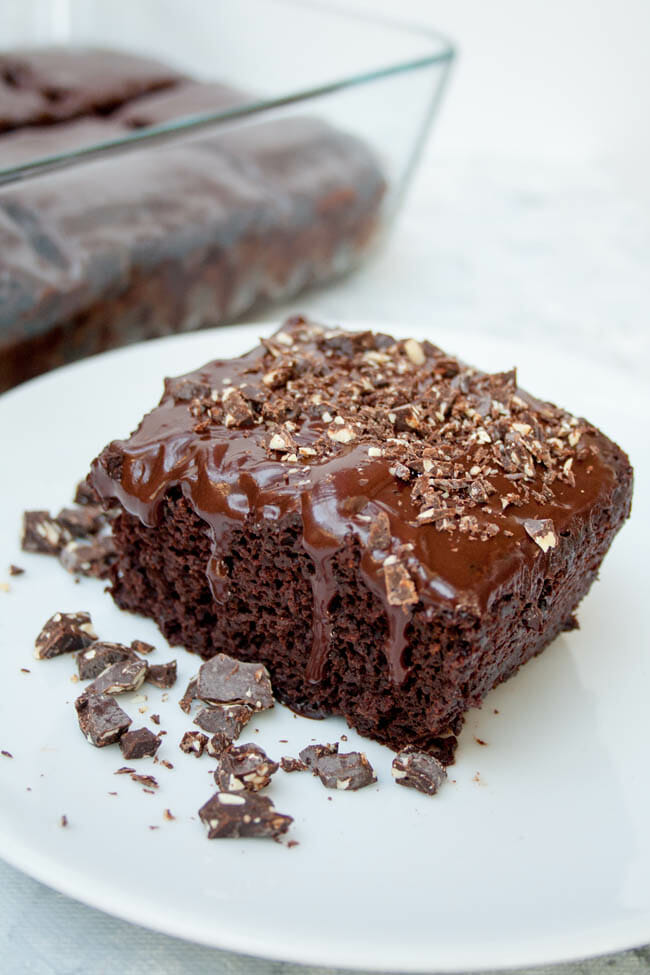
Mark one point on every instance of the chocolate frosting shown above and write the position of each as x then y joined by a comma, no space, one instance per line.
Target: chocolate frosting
230,472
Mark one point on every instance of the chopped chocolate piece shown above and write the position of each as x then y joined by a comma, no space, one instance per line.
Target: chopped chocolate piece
223,680
542,532
63,821
313,753
163,761
84,494
95,659
167,814
379,536
162,675
146,780
64,633
25,670
289,764
417,770
42,533
155,718
239,814
89,558
140,743
226,719
348,772
185,703
193,743
15,570
218,744
80,522
101,719
124,770
139,646
6,754
244,767
123,676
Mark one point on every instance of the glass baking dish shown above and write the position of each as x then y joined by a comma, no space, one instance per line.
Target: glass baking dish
160,216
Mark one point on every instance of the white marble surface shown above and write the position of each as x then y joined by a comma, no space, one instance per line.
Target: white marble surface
560,252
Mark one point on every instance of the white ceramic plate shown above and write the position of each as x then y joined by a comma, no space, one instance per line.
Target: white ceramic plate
538,850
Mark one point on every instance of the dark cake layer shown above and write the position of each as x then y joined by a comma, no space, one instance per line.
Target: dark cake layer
166,238
390,532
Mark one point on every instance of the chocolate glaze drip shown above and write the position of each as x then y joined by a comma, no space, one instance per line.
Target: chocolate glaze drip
229,476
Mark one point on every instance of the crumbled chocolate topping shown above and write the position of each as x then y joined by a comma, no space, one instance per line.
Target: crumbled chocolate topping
235,814
454,434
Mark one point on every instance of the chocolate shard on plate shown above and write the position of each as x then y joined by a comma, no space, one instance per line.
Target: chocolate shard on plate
244,767
242,814
89,558
64,633
188,698
193,743
162,675
417,770
42,533
224,680
15,570
289,764
313,753
347,772
80,522
119,678
140,743
226,719
94,660
218,744
101,719
139,646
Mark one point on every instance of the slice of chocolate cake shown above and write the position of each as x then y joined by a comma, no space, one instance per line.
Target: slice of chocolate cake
391,532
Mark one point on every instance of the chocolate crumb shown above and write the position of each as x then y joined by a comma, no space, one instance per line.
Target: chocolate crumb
163,761
479,741
312,753
193,743
80,522
139,646
225,719
167,814
43,534
63,821
224,680
25,670
124,770
6,754
347,772
162,675
89,558
289,764
242,814
97,657
244,767
15,570
155,718
64,633
147,780
140,743
185,703
417,770
101,719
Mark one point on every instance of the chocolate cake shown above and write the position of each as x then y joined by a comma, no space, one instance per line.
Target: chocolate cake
167,237
391,532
